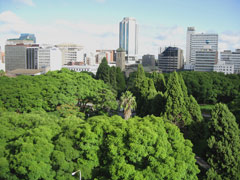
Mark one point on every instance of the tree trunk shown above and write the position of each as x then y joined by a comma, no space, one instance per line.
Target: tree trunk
127,114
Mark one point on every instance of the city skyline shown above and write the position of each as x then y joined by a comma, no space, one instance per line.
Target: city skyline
94,23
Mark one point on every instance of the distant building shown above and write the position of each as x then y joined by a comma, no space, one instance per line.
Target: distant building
84,68
71,53
120,61
206,59
15,56
27,36
29,72
109,54
49,57
18,41
224,68
195,42
2,60
171,59
128,37
148,60
23,39
32,56
231,58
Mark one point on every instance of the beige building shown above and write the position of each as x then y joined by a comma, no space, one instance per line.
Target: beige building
71,53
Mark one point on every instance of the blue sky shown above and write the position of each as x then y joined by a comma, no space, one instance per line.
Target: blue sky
94,23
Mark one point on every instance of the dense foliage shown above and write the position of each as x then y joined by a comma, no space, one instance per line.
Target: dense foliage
111,75
224,145
49,127
56,89
40,146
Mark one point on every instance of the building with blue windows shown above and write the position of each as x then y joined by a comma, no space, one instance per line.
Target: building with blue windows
128,37
27,36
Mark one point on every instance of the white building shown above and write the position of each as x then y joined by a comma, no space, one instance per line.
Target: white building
231,58
50,56
87,68
205,59
71,53
128,37
221,66
196,42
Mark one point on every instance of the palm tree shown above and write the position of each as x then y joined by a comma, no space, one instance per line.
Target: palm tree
127,102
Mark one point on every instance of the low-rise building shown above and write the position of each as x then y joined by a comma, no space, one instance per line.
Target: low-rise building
221,66
85,68
231,58
148,60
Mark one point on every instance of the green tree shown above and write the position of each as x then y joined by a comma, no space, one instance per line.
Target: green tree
128,103
113,77
224,145
103,71
175,108
159,81
120,80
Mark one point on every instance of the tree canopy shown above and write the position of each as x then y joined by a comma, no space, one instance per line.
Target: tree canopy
41,146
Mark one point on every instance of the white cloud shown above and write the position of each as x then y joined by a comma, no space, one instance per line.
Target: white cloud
103,36
26,2
230,40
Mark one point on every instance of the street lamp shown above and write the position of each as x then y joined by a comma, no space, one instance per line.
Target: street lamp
76,172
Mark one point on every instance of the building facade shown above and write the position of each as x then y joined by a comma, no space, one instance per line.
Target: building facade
206,59
224,68
171,59
231,58
71,53
196,42
148,60
15,56
27,36
120,61
32,56
84,68
128,37
109,54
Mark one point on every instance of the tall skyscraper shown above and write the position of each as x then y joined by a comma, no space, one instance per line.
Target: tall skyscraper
196,42
128,37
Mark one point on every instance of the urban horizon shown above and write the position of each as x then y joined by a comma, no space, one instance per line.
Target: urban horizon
105,35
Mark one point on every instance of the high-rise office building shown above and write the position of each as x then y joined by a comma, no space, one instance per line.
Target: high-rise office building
231,58
171,59
16,56
128,37
196,42
206,58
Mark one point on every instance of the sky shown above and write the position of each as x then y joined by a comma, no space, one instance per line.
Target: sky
95,23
